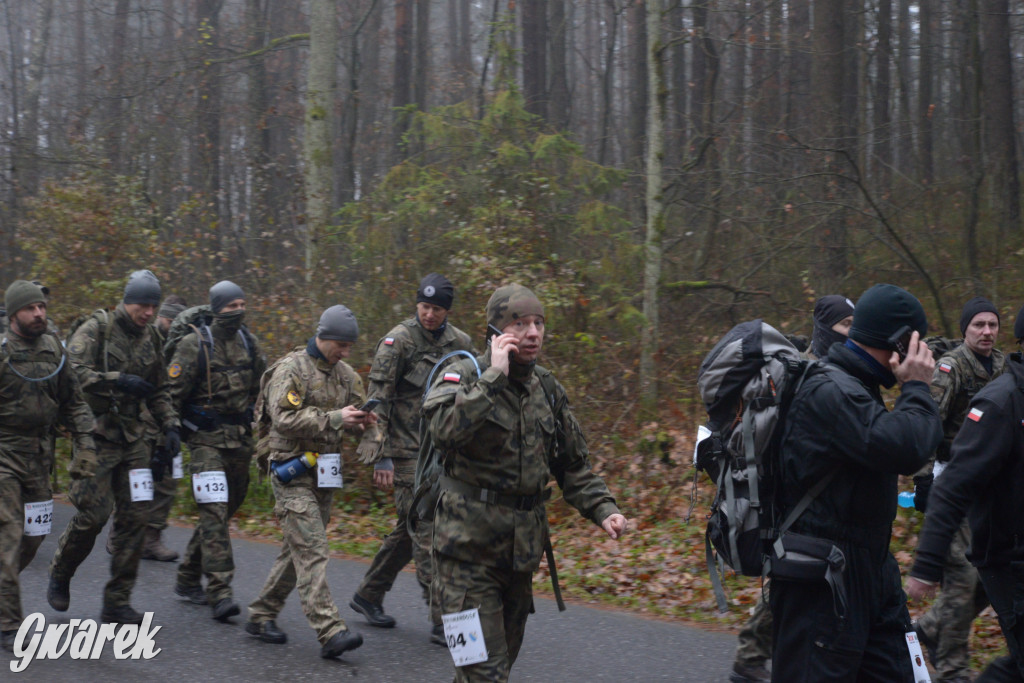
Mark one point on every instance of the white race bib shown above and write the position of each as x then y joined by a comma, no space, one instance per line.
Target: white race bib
140,484
465,637
328,468
178,467
917,659
210,487
38,518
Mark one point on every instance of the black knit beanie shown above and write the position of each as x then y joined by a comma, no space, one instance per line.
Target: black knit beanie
978,304
882,311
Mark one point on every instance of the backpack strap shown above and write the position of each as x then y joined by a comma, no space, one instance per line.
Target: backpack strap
205,357
5,358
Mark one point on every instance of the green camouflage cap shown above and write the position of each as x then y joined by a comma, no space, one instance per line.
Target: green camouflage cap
512,302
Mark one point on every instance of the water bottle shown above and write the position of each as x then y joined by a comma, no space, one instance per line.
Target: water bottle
287,470
905,499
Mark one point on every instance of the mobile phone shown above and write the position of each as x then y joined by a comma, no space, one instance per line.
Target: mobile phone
493,332
370,405
900,341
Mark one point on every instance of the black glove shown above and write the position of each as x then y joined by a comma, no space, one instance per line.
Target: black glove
160,462
134,385
172,441
922,487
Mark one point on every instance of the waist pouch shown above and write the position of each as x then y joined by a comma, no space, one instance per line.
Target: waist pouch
796,557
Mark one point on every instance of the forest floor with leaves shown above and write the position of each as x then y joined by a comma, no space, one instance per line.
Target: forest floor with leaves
658,569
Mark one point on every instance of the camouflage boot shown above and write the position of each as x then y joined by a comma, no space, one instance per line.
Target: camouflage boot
154,549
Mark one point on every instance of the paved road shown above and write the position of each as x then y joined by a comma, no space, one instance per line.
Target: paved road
581,644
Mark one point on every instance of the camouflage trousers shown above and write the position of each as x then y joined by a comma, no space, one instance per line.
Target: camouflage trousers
948,622
24,478
209,550
399,547
755,638
304,512
505,600
164,492
94,499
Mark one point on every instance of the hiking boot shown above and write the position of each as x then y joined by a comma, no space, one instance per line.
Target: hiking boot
58,593
267,631
154,549
225,609
374,613
194,594
749,673
121,614
7,639
341,642
437,635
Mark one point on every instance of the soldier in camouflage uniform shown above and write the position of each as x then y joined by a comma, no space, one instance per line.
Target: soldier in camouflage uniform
164,488
401,364
309,397
502,440
118,362
959,375
38,390
213,390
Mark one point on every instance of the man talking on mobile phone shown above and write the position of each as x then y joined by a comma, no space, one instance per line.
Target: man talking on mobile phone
401,364
843,451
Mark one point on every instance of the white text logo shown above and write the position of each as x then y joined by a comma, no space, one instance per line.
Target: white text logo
81,639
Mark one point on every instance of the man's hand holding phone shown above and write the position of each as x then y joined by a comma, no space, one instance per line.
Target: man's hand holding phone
503,348
912,360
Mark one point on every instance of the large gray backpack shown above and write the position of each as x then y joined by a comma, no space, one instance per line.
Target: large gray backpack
746,382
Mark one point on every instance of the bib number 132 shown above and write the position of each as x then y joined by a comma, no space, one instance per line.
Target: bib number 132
210,487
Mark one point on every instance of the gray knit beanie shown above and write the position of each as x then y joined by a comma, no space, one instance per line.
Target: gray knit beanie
142,288
338,323
223,293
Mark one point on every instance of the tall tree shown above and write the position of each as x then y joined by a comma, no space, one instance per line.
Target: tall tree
997,104
881,107
657,92
558,91
421,64
320,87
402,85
535,42
28,144
926,88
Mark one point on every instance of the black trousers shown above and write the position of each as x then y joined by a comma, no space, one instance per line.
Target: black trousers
1005,588
813,644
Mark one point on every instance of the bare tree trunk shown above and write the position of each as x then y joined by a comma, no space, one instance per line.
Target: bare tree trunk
607,81
657,90
680,86
882,123
997,104
402,92
925,102
259,131
904,125
113,110
208,106
559,101
970,87
637,66
421,64
317,154
535,40
27,155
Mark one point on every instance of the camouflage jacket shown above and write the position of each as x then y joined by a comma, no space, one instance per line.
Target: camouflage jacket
29,410
398,376
504,436
225,392
103,347
958,376
298,393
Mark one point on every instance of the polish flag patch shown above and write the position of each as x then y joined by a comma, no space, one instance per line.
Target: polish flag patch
975,415
389,341
452,377
945,367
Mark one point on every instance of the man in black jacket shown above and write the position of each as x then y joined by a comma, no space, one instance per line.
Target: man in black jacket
984,479
851,624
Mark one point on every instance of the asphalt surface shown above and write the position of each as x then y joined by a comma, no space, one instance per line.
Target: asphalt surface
581,644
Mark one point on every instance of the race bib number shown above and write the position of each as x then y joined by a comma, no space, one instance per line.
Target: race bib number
178,467
38,518
917,659
328,467
465,637
140,484
210,487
